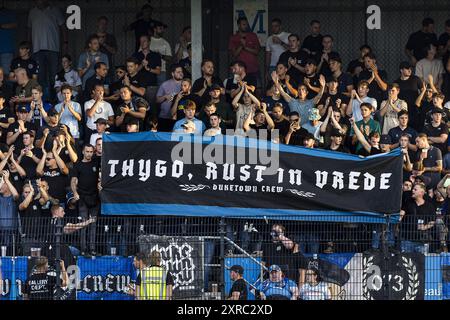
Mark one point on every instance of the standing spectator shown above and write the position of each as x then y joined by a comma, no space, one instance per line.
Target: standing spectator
244,109
284,79
23,89
182,98
366,125
373,144
160,45
47,24
70,112
428,161
345,82
99,78
8,26
223,108
444,39
410,86
19,127
240,74
181,48
397,132
41,285
8,210
6,89
375,77
324,56
333,98
356,66
437,131
100,125
314,288
277,287
276,44
336,142
390,108
88,60
29,155
244,46
186,63
6,118
313,42
137,80
95,109
302,105
67,76
311,78
25,61
144,25
314,124
214,126
238,290
149,60
416,217
107,41
296,133
333,121
84,187
430,66
295,58
418,41
130,110
37,109
165,95
52,169
189,111
424,103
202,86
357,99
262,125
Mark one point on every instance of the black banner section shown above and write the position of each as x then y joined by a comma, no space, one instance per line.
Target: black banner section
183,258
155,173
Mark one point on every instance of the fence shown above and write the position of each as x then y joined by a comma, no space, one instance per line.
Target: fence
355,261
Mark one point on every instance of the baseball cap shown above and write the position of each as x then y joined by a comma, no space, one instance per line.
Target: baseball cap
437,110
274,267
238,269
405,65
101,121
22,109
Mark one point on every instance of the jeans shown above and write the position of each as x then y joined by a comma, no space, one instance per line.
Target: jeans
412,246
88,233
5,62
48,67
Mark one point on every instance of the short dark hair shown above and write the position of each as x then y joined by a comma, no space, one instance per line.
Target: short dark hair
88,145
38,88
132,60
294,113
328,36
174,67
215,114
370,55
427,21
283,63
276,20
295,36
314,21
241,18
92,37
394,85
365,46
240,64
402,113
98,65
204,61
367,105
66,87
185,29
103,18
125,87
25,45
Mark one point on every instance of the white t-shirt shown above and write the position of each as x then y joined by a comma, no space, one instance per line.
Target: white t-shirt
163,48
447,105
276,49
425,67
104,110
356,107
318,292
45,28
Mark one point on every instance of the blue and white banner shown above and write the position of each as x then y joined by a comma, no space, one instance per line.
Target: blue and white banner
13,276
104,278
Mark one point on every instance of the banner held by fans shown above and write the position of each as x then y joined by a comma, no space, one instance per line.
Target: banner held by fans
173,174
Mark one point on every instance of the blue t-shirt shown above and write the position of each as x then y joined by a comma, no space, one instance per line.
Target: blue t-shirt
303,108
37,119
282,288
7,36
69,120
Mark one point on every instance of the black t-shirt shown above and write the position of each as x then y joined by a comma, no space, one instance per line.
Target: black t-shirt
241,287
17,181
134,105
57,183
154,60
142,27
396,133
341,148
90,86
297,137
87,174
182,103
354,64
301,56
270,102
418,41
29,165
142,79
409,91
432,131
40,286
52,134
313,81
374,90
13,128
283,127
263,129
333,98
443,39
414,213
5,114
325,69
199,85
276,253
313,44
31,66
249,79
186,64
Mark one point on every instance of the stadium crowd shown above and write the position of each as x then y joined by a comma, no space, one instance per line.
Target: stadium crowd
55,109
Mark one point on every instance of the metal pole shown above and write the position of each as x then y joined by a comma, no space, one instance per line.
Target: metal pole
197,35
222,256
386,258
58,235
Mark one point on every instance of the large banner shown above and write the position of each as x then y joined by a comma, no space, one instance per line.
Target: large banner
257,13
183,258
170,174
13,274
